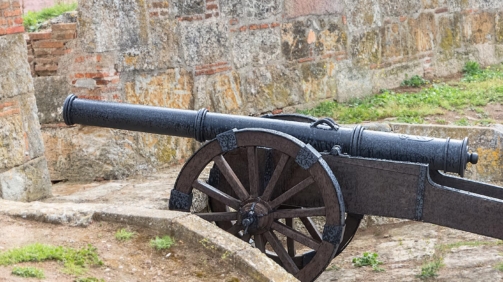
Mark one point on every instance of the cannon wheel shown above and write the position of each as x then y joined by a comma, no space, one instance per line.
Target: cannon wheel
353,220
261,214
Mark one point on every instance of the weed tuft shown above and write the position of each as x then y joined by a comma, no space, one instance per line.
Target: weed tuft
162,243
124,235
28,272
430,270
415,81
368,259
32,20
471,68
462,122
333,267
499,266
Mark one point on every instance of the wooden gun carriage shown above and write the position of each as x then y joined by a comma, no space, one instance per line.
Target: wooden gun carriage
274,172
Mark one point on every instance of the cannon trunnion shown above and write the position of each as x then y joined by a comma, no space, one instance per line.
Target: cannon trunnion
296,188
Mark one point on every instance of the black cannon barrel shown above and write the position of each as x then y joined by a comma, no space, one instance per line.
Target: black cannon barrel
448,154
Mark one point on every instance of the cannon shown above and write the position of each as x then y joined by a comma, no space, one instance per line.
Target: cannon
296,187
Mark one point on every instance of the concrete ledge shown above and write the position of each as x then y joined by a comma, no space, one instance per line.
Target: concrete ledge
187,227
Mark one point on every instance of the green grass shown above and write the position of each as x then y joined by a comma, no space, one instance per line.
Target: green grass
124,235
75,261
32,20
368,259
476,90
162,243
430,270
499,266
28,272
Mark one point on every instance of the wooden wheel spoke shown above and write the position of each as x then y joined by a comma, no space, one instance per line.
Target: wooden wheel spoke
219,216
231,177
287,261
234,230
295,235
274,178
253,171
260,242
291,213
291,192
311,228
290,244
216,194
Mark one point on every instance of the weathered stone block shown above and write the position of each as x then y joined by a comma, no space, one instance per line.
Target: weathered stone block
318,81
50,93
123,26
204,43
499,28
189,7
450,32
268,88
363,14
252,9
294,43
85,153
298,8
390,77
366,48
352,82
391,41
28,182
12,139
220,93
433,4
173,89
479,28
458,5
424,29
332,36
486,54
488,4
256,47
15,74
31,127
397,8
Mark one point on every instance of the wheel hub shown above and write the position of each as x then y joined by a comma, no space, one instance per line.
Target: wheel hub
255,217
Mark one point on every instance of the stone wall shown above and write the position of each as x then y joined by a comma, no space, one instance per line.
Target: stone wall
23,168
247,57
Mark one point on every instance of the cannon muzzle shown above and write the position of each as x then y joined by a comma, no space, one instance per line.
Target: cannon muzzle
448,154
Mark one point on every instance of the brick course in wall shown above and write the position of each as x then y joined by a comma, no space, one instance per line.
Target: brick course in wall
10,17
46,48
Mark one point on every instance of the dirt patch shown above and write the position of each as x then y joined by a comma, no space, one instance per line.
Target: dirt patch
133,260
405,247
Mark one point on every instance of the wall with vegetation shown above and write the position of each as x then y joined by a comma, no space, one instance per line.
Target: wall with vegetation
23,168
248,57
